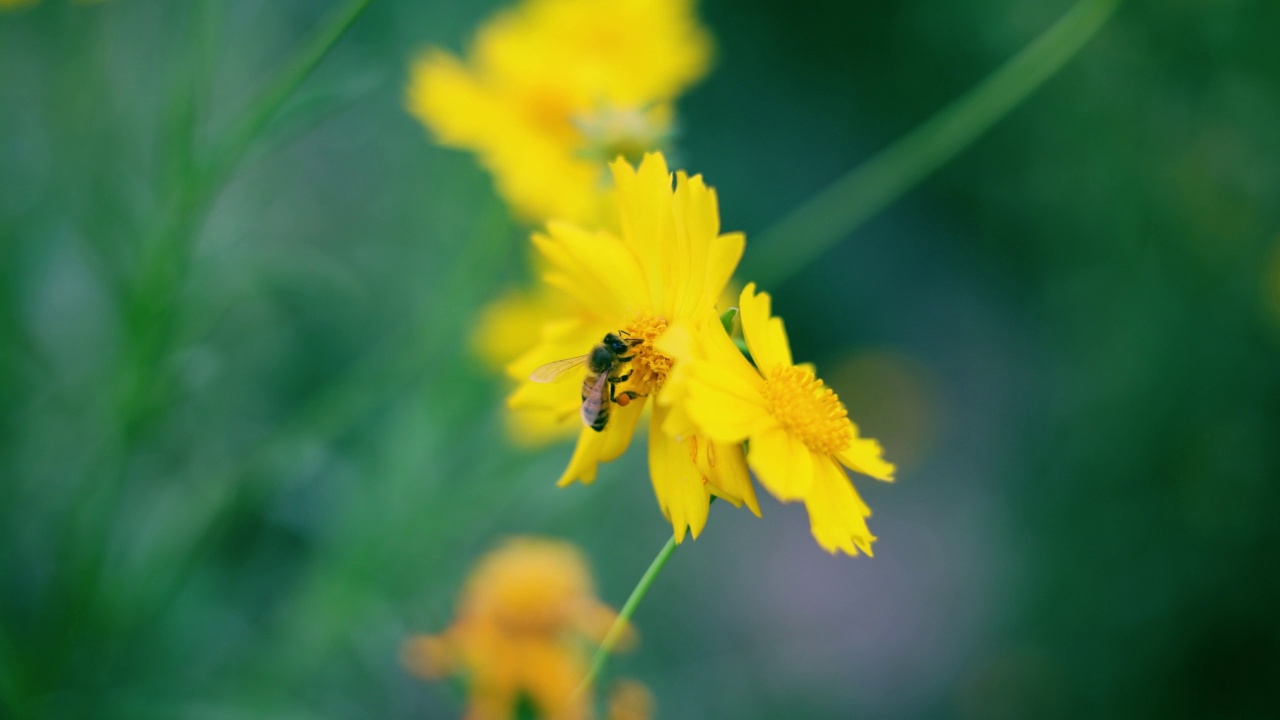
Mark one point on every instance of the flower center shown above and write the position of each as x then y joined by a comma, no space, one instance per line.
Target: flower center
649,367
808,410
608,132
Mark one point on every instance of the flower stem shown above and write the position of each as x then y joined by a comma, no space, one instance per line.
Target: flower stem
624,617
831,215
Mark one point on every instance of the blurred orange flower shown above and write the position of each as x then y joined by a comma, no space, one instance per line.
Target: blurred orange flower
525,621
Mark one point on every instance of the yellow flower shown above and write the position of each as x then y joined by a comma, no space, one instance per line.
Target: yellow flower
799,435
523,623
502,330
553,89
654,279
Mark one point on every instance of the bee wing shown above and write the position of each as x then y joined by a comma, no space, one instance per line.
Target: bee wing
555,370
595,400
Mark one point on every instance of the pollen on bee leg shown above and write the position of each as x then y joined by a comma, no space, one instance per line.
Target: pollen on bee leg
623,400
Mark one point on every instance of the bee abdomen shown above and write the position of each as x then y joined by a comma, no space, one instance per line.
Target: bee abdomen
595,401
602,418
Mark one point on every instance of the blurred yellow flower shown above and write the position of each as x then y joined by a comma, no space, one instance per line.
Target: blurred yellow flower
654,279
799,435
629,700
553,89
503,326
502,334
525,617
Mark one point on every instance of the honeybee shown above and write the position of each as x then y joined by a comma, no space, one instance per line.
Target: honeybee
602,362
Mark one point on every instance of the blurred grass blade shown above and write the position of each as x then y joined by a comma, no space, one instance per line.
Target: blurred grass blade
306,112
815,227
150,313
281,89
150,317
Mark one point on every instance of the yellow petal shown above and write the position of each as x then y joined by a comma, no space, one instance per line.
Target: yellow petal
723,394
729,477
864,455
677,342
697,208
621,428
557,340
446,97
782,463
681,490
724,406
532,428
596,447
502,331
837,516
725,252
586,458
596,269
558,398
542,179
644,210
696,223
766,337
534,166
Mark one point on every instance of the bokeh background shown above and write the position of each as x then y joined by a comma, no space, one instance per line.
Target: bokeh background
234,478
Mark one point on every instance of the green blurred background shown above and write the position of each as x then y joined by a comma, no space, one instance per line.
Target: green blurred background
232,490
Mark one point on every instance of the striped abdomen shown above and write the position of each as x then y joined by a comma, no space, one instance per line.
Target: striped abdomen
595,401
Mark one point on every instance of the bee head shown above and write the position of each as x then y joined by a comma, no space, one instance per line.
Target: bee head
617,345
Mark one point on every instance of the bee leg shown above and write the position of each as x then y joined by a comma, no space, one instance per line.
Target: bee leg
626,395
625,358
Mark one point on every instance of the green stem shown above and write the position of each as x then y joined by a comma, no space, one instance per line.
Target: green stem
831,215
619,626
